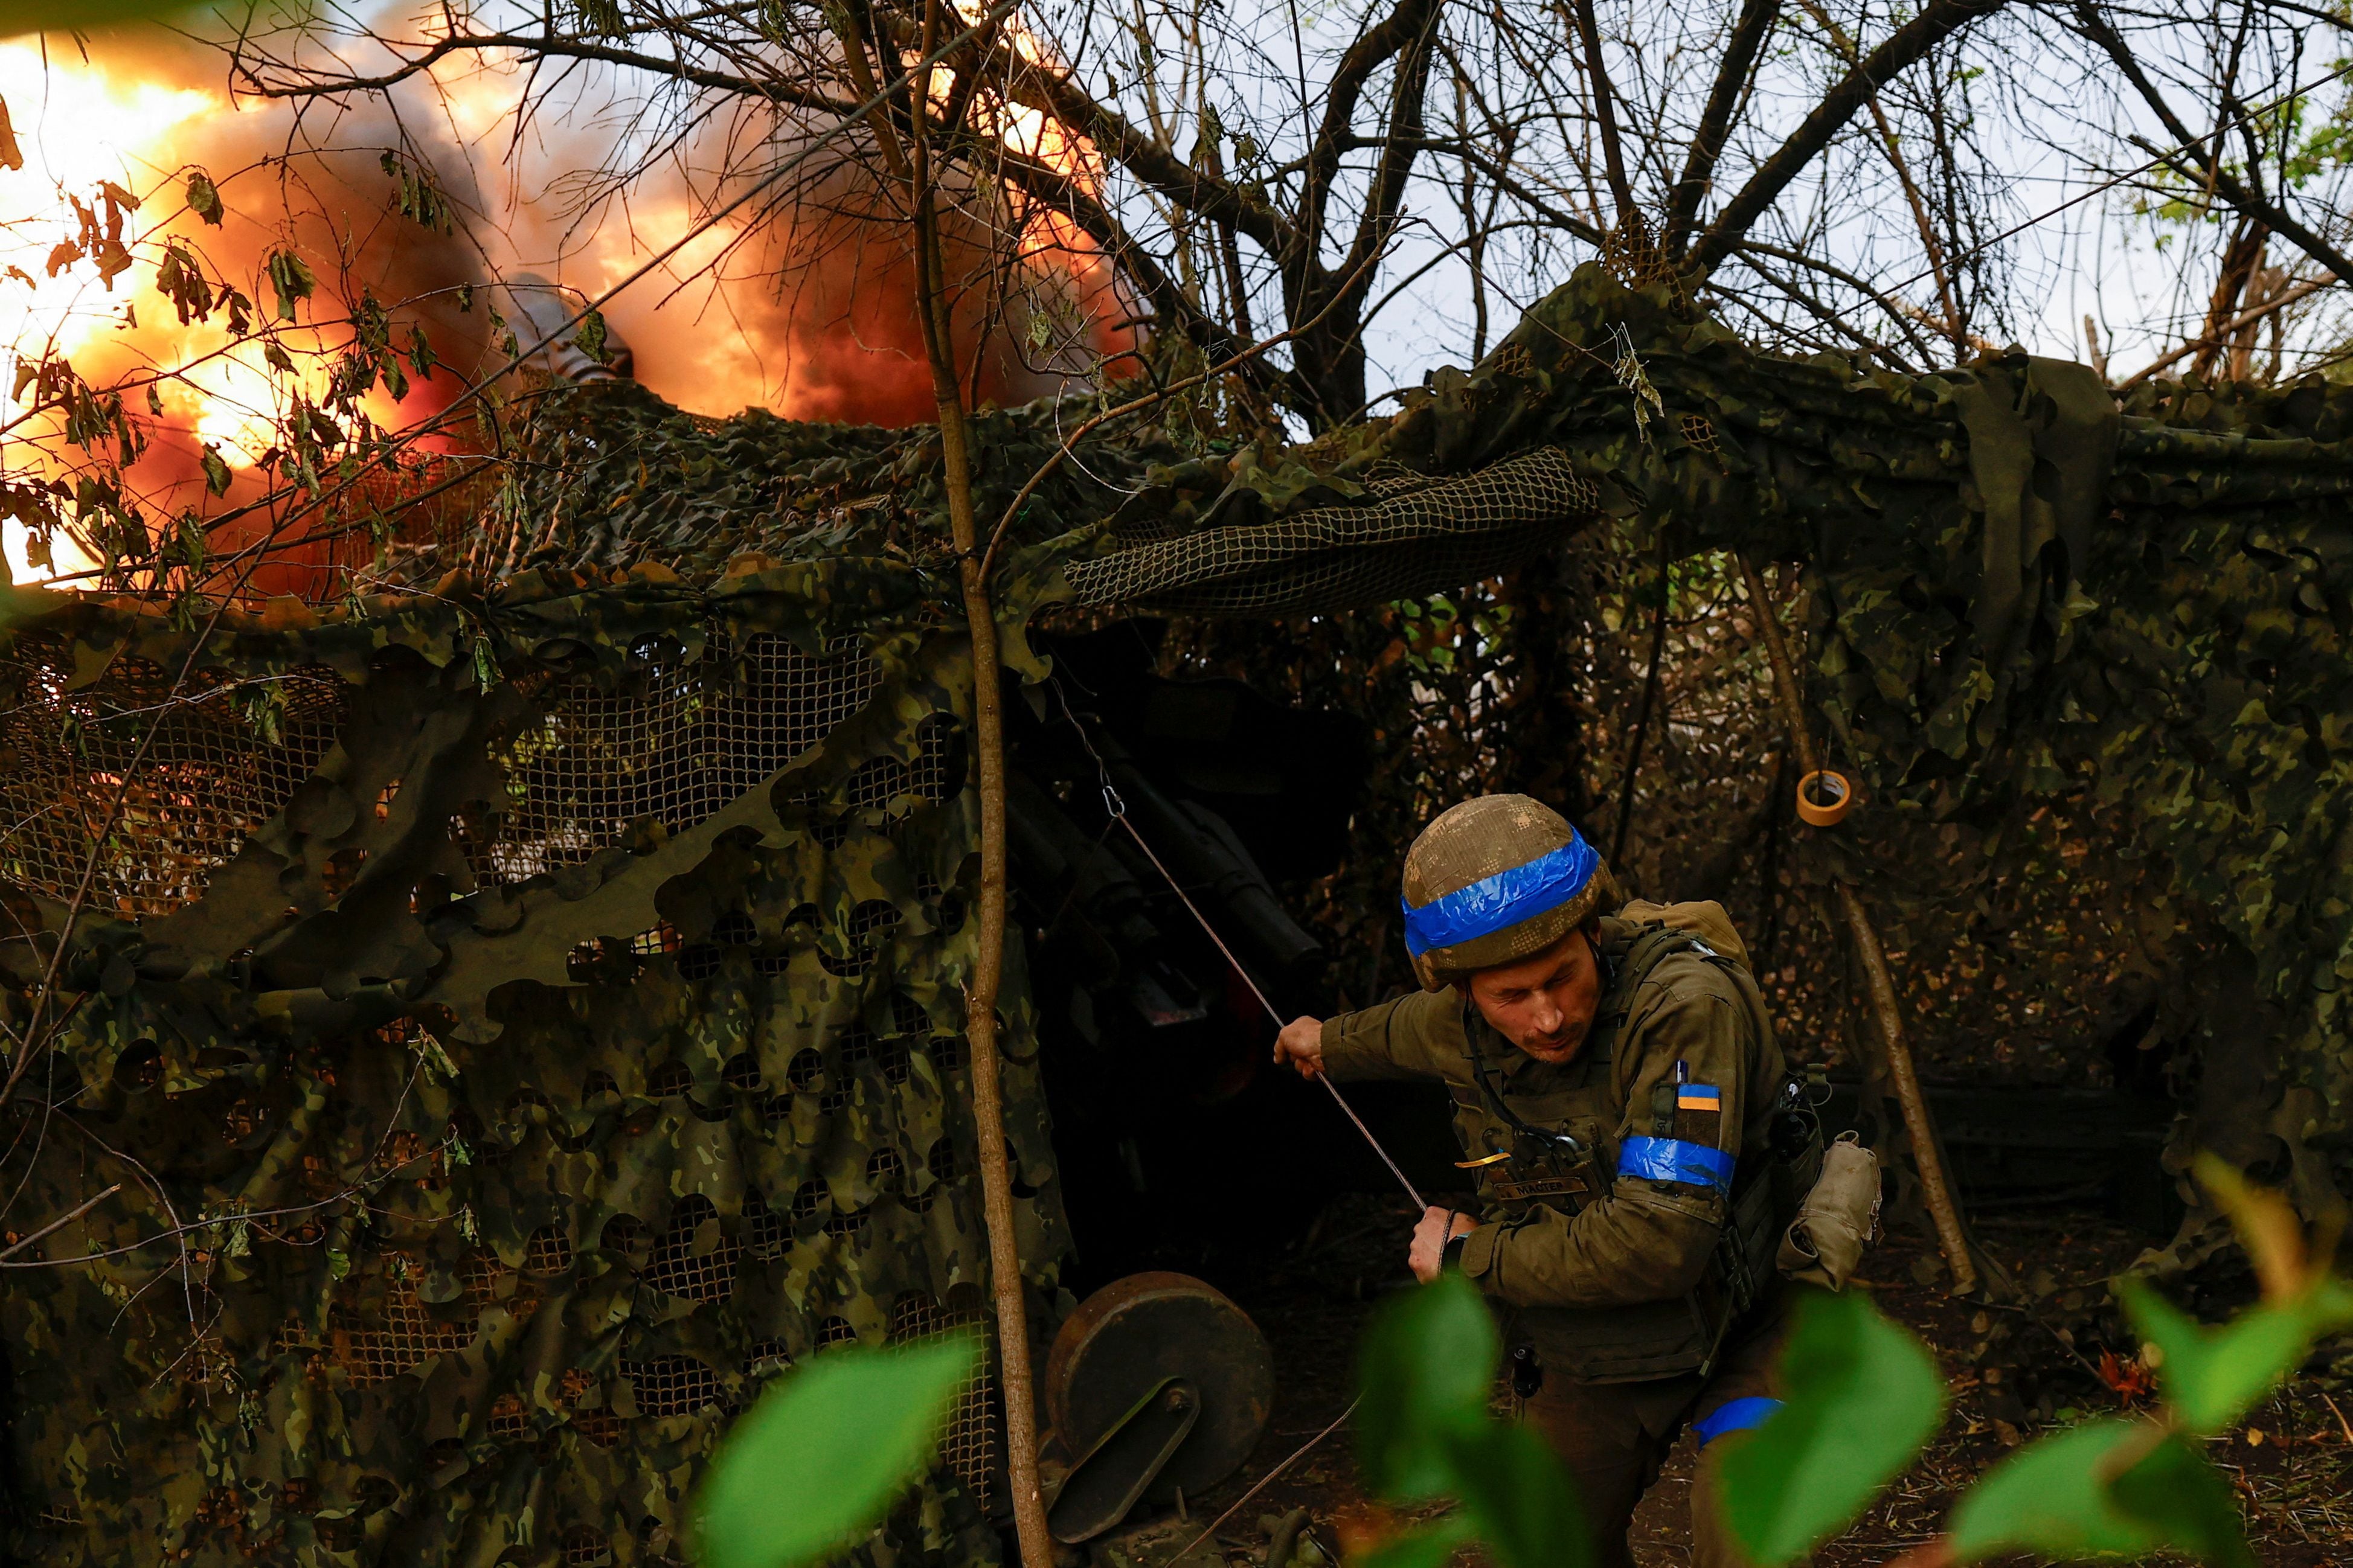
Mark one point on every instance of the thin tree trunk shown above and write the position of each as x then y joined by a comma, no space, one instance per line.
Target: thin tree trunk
1885,1010
1605,115
2243,260
1016,1385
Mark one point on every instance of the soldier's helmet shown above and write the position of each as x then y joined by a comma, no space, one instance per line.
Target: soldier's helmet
1494,880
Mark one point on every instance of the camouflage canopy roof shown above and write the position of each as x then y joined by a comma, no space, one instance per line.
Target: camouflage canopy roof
529,992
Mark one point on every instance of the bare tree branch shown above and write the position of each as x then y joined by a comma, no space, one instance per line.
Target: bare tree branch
1732,75
1938,21
2225,185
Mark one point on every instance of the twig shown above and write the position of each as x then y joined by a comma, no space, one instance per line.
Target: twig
63,1221
1269,1479
1160,394
2246,318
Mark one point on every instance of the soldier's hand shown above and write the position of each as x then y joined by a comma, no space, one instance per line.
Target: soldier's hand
1301,1047
1426,1256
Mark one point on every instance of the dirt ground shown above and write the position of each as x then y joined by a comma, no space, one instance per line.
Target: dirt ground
2012,1375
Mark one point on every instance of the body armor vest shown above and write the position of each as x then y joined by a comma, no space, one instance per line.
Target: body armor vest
1558,1147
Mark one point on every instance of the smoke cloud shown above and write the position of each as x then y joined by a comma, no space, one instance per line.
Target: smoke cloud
808,310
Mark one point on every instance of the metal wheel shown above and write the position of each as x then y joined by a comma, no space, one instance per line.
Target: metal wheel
1136,1332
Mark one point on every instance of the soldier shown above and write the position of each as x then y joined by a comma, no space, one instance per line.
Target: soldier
1615,1086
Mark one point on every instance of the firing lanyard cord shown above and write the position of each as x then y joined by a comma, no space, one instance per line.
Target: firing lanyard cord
1118,809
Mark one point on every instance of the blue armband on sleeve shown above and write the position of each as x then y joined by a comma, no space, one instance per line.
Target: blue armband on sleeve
1672,1160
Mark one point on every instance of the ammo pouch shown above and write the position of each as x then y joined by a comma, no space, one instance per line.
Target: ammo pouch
1838,1219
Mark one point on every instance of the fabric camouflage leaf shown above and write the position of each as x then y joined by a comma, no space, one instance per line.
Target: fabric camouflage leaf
528,1072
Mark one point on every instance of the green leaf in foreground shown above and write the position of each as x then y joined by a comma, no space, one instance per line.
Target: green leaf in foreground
2211,1377
2117,1488
1423,1431
1519,1498
1861,1397
818,1462
1428,1365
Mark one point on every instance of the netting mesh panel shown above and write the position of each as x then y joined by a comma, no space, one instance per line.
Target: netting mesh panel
1340,579
969,1446
666,1385
575,1252
696,1256
212,762
677,744
398,1334
1419,536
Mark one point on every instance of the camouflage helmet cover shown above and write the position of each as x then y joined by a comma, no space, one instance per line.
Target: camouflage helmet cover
1494,880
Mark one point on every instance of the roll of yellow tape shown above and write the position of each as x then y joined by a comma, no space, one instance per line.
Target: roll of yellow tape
1824,814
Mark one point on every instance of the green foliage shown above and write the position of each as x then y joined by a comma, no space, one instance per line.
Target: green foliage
180,279
1428,1365
2121,1486
291,278
2111,1487
820,1459
1424,1432
589,339
418,196
1862,1398
1516,1494
203,197
2211,1376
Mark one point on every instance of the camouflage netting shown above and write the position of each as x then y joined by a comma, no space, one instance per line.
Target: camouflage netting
519,1024
2018,592
520,1007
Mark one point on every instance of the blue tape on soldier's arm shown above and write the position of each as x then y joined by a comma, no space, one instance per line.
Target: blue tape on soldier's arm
1734,1416
1672,1160
1498,902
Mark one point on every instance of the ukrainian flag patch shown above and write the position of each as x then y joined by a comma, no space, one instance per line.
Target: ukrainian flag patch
1699,1109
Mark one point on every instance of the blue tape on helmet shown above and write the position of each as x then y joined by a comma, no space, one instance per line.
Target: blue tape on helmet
1734,1416
1672,1160
1500,901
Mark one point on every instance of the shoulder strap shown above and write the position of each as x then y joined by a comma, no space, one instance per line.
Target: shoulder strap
1642,955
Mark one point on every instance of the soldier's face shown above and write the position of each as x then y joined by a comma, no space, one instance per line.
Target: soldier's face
1544,1004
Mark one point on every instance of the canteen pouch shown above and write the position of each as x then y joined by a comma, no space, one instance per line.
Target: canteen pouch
1838,1219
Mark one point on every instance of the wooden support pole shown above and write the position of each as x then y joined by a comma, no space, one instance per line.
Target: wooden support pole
1885,1011
1017,1383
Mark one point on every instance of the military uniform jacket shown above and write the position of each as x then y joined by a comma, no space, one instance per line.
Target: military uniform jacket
1606,1293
